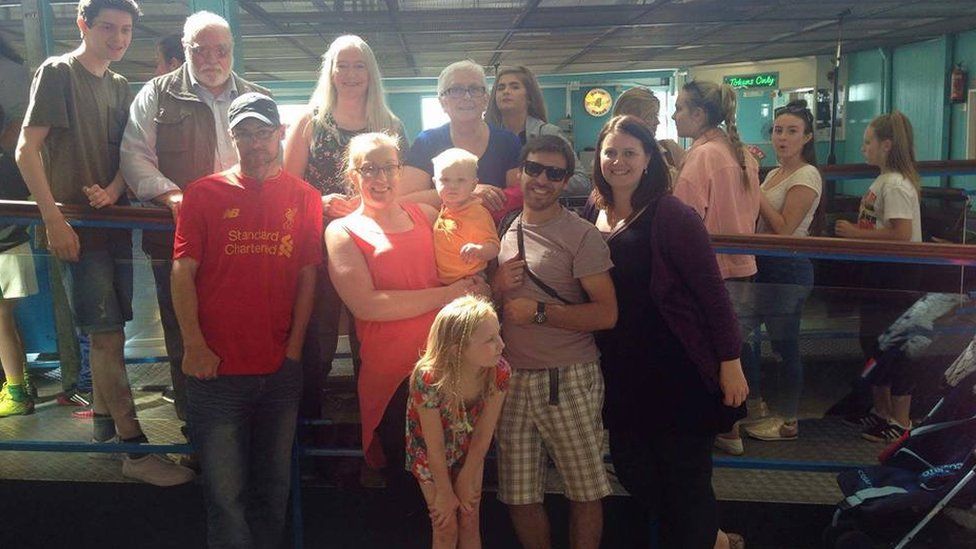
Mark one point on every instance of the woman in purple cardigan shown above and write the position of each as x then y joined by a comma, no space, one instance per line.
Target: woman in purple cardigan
671,364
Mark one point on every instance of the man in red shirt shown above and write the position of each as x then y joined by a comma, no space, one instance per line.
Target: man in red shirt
247,244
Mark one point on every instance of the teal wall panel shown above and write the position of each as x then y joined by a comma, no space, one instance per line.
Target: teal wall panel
406,105
918,90
865,79
965,53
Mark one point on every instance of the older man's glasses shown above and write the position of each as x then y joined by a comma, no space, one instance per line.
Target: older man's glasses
220,52
457,92
534,169
372,171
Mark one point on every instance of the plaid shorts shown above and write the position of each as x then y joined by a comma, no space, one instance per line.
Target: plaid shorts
533,426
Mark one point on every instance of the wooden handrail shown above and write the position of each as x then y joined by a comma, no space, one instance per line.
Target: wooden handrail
17,210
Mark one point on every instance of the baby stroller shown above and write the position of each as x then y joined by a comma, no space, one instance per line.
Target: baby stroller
931,467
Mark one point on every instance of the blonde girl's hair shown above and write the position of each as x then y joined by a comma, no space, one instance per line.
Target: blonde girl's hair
449,337
719,103
360,145
896,127
640,102
379,117
533,93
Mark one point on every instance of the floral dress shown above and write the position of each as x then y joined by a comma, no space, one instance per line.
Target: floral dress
326,155
457,430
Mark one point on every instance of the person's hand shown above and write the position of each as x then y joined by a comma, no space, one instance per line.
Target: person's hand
172,200
733,383
510,275
200,362
844,228
491,196
337,205
444,507
469,285
520,311
99,197
62,240
471,252
467,487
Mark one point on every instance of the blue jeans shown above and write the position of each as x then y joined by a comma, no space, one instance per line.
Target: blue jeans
99,284
242,428
781,288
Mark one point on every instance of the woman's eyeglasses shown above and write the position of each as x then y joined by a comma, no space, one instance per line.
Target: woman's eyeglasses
552,173
372,171
457,92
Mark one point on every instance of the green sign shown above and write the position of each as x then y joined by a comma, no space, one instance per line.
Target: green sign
752,81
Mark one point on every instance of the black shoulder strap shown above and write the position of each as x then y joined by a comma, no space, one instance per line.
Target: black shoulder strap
528,272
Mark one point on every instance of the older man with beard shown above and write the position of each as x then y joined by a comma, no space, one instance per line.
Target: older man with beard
177,133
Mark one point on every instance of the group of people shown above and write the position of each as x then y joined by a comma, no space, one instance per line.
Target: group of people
535,327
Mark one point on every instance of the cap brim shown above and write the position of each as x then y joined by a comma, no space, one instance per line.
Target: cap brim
245,115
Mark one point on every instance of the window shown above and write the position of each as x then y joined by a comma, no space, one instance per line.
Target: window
431,113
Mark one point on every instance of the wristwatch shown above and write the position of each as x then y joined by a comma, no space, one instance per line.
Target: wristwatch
540,313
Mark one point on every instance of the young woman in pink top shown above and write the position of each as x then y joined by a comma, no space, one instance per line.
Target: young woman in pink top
720,180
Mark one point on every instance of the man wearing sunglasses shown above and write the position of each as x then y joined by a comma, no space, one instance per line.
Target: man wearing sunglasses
247,244
555,285
177,133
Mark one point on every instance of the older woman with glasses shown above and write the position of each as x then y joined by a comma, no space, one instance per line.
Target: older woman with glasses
463,92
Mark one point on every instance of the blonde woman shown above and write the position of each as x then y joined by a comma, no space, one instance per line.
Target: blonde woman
347,101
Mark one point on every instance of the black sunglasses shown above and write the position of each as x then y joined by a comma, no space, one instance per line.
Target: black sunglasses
796,110
552,173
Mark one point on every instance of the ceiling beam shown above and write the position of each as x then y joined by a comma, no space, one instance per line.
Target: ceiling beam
516,24
607,34
264,17
834,22
393,9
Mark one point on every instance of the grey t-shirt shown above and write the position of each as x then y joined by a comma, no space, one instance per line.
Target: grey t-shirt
560,252
86,115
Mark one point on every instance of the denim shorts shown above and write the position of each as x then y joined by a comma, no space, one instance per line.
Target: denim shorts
99,284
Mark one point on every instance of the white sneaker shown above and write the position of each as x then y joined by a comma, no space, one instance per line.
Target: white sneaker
731,446
758,411
156,470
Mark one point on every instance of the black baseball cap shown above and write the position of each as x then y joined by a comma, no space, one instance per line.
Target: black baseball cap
254,105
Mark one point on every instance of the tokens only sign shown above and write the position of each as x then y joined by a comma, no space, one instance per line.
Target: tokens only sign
753,81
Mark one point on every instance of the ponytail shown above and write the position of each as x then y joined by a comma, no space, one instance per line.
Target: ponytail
896,128
719,103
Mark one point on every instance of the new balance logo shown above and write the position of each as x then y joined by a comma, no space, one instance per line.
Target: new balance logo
231,213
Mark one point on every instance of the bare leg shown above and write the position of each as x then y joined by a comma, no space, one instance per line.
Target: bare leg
585,524
721,540
469,529
110,383
901,410
11,348
881,395
531,525
445,536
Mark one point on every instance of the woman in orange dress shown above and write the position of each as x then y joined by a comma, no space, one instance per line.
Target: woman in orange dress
381,259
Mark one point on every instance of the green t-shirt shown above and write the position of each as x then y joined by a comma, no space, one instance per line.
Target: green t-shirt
86,115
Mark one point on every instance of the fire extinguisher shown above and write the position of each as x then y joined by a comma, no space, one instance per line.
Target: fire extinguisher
957,89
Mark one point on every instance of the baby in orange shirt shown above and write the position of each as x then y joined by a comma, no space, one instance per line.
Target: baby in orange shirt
465,238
